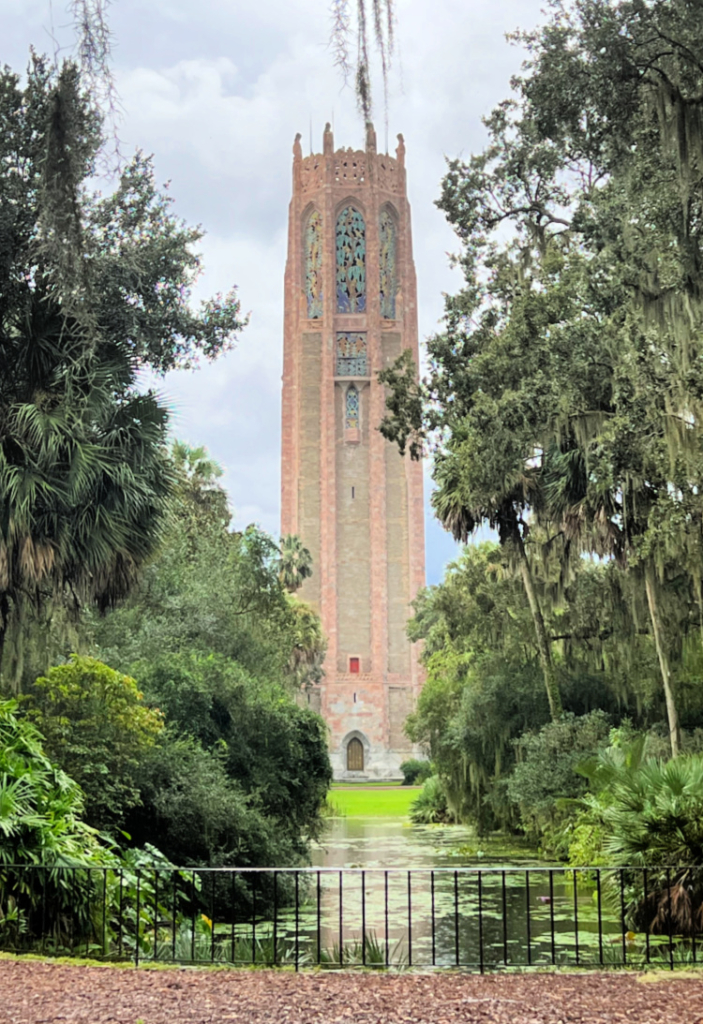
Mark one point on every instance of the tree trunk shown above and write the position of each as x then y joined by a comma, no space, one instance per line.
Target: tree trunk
663,655
543,644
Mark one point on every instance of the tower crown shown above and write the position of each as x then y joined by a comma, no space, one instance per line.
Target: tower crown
355,168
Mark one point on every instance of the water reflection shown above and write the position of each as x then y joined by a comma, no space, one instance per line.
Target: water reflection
397,843
409,894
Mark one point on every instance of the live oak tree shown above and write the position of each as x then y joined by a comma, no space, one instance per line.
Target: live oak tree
566,387
92,289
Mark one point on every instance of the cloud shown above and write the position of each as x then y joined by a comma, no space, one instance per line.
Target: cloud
217,92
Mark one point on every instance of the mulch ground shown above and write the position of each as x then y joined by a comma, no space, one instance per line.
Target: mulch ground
34,992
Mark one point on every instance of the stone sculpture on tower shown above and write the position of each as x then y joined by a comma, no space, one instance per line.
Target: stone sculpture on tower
350,310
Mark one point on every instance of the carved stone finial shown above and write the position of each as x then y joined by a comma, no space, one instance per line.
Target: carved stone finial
327,139
400,151
297,148
370,137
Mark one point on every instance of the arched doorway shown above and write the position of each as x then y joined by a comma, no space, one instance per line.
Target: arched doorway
355,755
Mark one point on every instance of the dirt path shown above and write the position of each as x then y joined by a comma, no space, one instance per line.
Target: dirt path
34,992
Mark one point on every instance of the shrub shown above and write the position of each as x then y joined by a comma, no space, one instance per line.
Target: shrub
97,727
40,806
41,830
546,770
431,807
273,750
415,771
649,813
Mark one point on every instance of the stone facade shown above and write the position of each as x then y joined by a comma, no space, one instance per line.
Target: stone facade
350,310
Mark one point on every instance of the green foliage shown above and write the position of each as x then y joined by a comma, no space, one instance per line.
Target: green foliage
565,389
253,621
97,727
481,714
274,749
430,805
295,563
545,772
243,769
648,813
651,811
40,806
370,952
199,814
91,288
415,771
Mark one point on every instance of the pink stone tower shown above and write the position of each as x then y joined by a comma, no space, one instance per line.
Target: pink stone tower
350,310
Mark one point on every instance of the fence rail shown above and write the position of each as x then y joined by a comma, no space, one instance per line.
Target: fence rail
488,918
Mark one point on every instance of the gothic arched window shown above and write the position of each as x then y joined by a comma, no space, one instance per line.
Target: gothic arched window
313,265
351,414
387,269
351,262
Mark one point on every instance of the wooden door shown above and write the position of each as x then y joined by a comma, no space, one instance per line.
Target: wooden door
355,756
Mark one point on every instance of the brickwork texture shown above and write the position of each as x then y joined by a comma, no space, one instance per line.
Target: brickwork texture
354,501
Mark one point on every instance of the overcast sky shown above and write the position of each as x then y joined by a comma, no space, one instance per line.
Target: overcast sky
216,90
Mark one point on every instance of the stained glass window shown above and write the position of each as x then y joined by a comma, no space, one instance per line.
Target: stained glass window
351,417
388,285
351,262
313,265
351,355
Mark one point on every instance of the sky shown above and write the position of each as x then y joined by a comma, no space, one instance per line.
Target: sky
216,90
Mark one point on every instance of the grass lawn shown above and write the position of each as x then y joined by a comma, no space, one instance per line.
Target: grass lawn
373,802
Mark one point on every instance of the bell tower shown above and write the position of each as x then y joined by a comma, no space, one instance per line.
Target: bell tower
350,310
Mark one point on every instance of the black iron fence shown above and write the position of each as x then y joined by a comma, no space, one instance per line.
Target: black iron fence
478,918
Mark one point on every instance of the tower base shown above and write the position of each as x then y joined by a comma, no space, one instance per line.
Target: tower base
382,765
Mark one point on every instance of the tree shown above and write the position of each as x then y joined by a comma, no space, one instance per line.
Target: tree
546,769
91,289
567,382
296,563
309,645
482,714
219,645
273,749
97,727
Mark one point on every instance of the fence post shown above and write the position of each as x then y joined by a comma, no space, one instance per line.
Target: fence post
136,937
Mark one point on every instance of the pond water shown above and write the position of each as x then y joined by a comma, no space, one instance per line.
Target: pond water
437,895
397,843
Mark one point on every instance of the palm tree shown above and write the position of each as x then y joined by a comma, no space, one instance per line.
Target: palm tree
461,505
91,289
295,563
310,644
